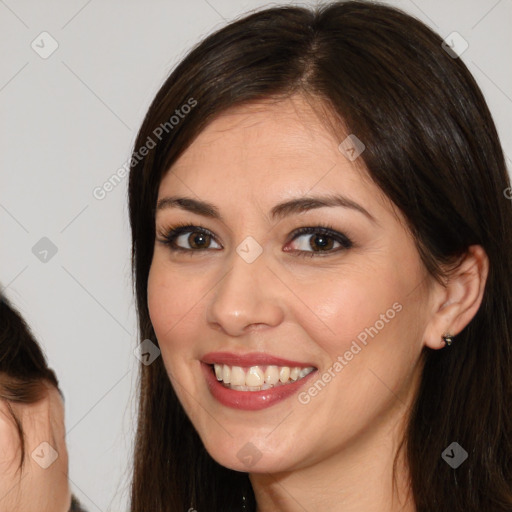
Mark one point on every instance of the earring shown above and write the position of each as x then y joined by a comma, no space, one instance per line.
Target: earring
448,339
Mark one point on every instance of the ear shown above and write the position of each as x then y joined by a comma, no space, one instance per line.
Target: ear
456,303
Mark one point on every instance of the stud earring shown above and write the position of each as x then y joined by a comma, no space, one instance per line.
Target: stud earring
448,339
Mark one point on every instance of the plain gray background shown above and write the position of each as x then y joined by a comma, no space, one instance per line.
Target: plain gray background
68,122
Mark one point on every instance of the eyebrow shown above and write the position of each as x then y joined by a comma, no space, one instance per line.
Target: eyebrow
279,211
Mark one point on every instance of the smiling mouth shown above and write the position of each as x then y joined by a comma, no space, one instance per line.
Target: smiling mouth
258,378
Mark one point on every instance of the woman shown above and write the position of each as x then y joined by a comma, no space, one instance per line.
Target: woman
33,454
373,374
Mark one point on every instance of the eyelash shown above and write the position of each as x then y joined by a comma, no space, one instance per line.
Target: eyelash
170,235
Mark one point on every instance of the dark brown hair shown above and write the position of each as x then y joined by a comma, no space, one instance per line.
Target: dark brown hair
24,371
433,149
23,366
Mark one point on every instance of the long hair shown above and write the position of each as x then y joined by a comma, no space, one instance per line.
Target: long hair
433,149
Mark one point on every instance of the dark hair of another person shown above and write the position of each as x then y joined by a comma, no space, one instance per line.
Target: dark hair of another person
23,366
433,149
23,371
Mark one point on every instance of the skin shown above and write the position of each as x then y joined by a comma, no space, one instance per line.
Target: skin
35,489
335,452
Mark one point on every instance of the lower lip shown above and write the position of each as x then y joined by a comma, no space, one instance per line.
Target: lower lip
250,400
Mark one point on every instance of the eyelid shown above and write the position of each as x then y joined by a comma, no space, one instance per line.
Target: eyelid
171,233
323,229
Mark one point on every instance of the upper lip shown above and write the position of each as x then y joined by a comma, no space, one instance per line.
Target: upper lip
251,359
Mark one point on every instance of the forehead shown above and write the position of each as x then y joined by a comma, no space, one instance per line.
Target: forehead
289,129
271,151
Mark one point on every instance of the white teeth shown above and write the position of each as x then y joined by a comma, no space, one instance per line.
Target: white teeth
272,375
237,376
254,377
257,378
226,374
284,374
305,371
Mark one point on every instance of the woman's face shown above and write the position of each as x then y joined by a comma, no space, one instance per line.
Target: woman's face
256,297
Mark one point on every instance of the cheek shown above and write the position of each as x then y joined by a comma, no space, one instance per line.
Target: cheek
170,299
176,308
351,308
368,355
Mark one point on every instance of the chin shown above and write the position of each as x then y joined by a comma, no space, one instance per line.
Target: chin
242,454
253,461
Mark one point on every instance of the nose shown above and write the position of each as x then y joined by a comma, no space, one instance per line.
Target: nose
246,298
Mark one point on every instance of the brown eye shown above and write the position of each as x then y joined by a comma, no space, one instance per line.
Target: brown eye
319,241
198,240
189,238
316,242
